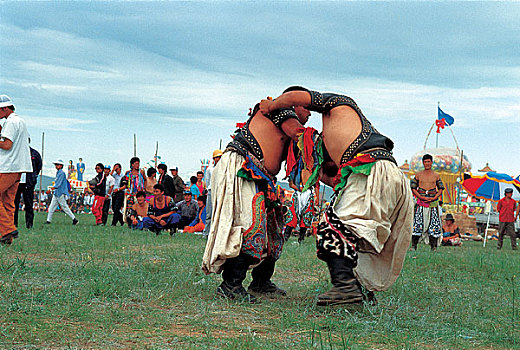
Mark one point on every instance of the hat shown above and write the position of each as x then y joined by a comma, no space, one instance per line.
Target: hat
59,161
176,169
5,101
187,192
508,190
217,153
107,167
449,217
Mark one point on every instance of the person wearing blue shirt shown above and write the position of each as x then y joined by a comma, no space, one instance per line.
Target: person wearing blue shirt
61,193
195,192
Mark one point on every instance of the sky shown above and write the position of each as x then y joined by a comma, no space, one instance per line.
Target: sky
92,74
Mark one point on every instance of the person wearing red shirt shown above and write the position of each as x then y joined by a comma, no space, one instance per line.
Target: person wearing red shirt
506,209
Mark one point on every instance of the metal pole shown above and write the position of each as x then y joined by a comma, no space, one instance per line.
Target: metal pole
41,174
156,150
460,179
489,215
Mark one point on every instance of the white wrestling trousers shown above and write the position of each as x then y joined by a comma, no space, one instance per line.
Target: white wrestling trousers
62,201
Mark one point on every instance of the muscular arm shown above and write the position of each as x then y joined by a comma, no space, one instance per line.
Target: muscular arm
292,128
6,144
289,99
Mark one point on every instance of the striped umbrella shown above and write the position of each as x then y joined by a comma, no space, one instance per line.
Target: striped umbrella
491,186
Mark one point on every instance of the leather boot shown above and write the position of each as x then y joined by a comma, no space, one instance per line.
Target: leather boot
433,243
287,233
262,283
301,235
234,273
346,288
415,241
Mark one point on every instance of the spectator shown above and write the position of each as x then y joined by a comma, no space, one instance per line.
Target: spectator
178,183
108,193
506,209
217,154
15,159
199,223
194,189
151,180
61,193
70,170
118,195
166,180
138,211
187,210
161,212
450,232
48,198
26,188
98,186
201,185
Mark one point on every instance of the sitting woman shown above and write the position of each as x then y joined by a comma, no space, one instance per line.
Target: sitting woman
451,232
199,223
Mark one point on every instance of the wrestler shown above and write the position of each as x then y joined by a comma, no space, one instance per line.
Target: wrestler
365,232
247,220
427,188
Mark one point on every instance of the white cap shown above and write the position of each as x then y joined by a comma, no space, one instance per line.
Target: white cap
59,161
5,101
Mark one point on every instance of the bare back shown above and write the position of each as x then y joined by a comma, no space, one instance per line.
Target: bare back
341,126
272,141
427,179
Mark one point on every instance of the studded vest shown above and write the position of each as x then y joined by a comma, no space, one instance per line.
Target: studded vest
368,141
244,141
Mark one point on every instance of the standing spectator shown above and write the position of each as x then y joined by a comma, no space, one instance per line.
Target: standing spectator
506,216
151,180
70,170
61,193
118,195
187,210
108,193
201,185
217,154
133,182
166,180
15,159
81,169
48,198
26,188
178,183
194,189
98,186
199,223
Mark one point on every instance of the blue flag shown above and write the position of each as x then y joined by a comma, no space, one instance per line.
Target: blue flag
448,118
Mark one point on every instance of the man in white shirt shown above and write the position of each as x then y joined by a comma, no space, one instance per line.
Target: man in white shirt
118,195
108,196
15,159
217,154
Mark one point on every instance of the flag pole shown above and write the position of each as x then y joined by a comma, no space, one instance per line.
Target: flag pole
156,150
41,174
437,135
135,146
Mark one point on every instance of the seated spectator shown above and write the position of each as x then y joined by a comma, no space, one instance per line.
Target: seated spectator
451,232
138,211
199,223
187,209
162,213
194,189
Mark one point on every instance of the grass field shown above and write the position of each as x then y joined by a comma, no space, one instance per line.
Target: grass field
88,287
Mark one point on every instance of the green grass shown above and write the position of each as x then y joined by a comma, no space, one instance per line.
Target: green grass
88,287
